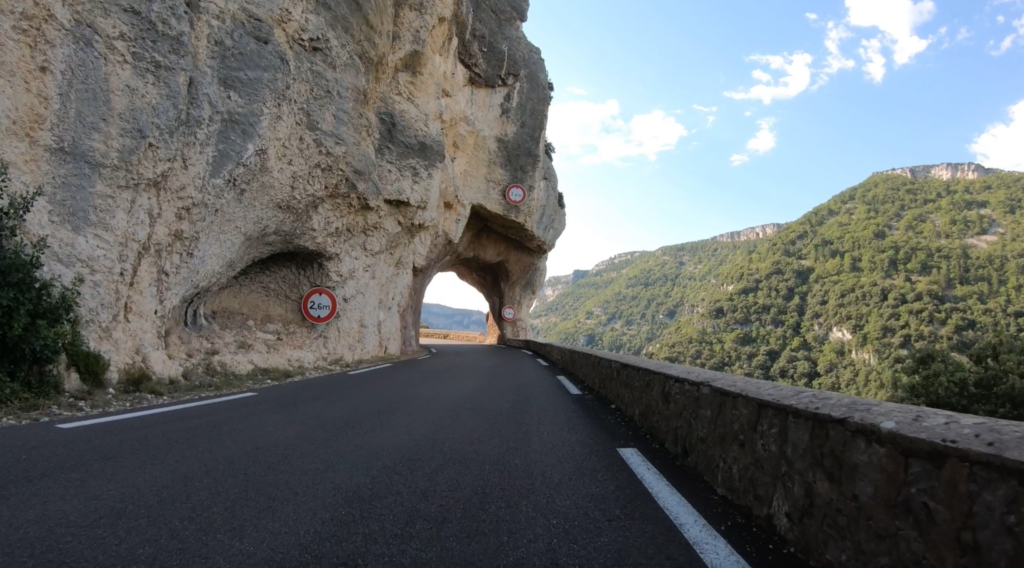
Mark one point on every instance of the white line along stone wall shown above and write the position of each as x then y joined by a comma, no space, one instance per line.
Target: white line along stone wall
849,482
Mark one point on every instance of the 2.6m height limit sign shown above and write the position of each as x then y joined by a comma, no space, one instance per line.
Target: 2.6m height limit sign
319,306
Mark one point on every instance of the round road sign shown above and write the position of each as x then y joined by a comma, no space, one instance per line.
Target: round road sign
319,305
508,313
515,194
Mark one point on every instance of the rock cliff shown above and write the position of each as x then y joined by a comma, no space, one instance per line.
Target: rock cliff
750,234
945,172
206,161
555,285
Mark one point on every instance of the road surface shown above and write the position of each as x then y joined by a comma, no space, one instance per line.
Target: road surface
474,456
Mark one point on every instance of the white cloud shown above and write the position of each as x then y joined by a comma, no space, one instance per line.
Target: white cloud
1014,38
595,133
1002,145
705,109
711,119
761,143
575,91
761,76
811,16
764,140
898,21
798,77
963,34
874,62
1000,19
836,60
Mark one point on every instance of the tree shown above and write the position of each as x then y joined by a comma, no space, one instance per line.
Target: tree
37,313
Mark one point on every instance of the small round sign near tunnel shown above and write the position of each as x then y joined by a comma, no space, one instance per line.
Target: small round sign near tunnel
508,313
319,306
515,194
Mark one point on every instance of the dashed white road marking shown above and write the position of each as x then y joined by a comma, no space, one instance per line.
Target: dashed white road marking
568,386
369,369
424,357
542,362
710,545
154,411
433,350
525,351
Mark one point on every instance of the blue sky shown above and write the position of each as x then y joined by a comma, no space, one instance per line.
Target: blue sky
678,120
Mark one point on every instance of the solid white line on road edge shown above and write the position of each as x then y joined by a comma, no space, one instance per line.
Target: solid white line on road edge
568,386
370,369
525,351
153,411
710,545
424,357
542,362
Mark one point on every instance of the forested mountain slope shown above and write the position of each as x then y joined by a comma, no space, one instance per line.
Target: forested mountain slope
626,305
898,288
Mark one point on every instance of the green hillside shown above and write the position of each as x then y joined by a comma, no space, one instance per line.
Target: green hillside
625,306
899,289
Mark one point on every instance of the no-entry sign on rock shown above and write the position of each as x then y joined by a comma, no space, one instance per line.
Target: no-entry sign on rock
319,305
515,194
508,313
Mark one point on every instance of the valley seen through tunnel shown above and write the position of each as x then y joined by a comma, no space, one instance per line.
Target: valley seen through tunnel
454,310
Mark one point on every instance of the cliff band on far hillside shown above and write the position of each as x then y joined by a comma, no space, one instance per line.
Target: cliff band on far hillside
751,234
945,172
205,163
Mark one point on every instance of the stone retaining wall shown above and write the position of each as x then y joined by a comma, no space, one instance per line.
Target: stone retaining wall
452,335
849,482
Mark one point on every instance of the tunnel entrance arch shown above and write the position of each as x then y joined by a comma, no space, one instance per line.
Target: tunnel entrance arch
452,304
494,259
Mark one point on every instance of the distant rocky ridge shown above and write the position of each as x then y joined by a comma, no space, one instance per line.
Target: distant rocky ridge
555,285
750,234
945,172
616,259
436,316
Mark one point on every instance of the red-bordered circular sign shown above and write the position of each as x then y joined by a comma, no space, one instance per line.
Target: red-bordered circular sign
319,305
515,194
508,313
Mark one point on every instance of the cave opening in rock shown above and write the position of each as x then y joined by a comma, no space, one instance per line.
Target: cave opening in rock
265,293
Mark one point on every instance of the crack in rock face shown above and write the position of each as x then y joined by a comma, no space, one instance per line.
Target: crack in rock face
204,164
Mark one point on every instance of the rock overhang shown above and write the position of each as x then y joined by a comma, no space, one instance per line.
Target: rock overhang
200,153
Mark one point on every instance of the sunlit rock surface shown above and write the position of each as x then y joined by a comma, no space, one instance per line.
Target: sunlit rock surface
206,162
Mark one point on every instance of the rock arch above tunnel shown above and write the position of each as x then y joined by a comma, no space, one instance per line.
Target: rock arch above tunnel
498,259
364,145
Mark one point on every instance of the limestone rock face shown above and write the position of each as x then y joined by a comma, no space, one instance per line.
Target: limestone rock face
555,285
750,234
205,162
945,172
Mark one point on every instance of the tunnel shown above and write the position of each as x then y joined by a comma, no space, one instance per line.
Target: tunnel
490,258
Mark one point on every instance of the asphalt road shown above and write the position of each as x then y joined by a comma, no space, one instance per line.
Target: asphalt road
475,456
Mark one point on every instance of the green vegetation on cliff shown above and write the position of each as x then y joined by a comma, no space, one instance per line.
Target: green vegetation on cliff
37,313
897,289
